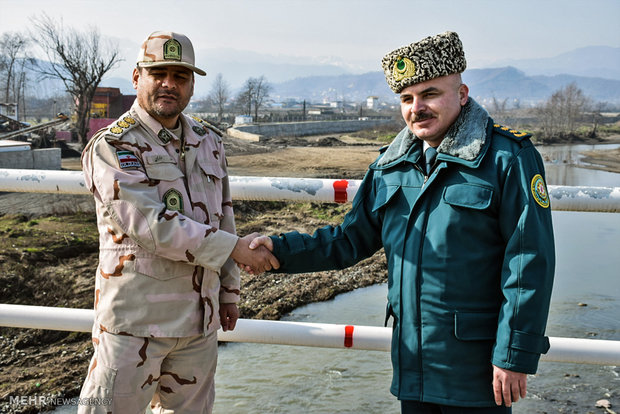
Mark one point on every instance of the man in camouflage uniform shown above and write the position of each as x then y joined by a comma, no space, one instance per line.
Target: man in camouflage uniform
167,278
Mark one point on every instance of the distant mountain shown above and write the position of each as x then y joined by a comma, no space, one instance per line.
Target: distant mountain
500,83
596,70
332,88
593,61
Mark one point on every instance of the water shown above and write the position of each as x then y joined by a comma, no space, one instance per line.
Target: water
257,378
564,165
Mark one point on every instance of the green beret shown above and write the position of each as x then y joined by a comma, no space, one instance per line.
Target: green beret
430,58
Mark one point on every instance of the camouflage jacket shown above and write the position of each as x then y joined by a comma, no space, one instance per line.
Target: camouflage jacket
166,227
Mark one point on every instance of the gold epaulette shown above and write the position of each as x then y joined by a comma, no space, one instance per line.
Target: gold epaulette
511,133
122,125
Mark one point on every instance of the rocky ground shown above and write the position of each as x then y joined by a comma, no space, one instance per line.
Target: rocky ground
48,256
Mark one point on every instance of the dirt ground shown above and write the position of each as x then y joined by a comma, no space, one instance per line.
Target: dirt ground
48,256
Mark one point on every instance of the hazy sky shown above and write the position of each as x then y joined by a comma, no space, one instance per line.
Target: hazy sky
356,33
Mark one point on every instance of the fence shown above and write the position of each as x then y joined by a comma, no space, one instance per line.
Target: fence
589,351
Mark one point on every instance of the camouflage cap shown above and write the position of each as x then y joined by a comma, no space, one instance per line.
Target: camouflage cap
427,59
168,49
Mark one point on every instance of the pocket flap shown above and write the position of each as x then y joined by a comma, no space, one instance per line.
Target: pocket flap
384,195
212,169
534,343
163,171
468,195
475,326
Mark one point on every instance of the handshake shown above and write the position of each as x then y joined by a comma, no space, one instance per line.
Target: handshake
252,253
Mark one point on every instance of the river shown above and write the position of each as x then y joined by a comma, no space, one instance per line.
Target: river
256,378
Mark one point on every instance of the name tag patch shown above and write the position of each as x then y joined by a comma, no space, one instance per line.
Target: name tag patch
127,159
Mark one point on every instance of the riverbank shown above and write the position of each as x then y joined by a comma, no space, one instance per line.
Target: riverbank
48,257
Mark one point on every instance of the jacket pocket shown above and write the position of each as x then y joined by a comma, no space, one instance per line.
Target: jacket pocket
469,196
162,269
384,196
475,326
212,170
160,167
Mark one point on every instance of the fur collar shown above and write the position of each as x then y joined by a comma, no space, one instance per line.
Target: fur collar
465,138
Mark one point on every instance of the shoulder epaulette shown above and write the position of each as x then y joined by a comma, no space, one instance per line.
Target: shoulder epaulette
122,125
208,125
510,133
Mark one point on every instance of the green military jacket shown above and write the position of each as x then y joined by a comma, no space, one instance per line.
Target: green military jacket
470,254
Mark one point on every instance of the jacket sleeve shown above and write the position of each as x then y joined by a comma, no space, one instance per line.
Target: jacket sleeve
334,247
528,266
230,279
132,203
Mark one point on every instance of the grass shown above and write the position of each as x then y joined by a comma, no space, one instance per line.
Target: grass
47,233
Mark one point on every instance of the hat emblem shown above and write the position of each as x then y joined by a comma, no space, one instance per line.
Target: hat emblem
403,68
172,50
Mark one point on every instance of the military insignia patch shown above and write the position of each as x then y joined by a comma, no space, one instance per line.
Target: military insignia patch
173,200
539,191
172,50
122,124
199,130
127,159
403,68
129,120
164,136
116,130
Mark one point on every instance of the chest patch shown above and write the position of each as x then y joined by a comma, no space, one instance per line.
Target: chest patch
539,191
173,200
127,159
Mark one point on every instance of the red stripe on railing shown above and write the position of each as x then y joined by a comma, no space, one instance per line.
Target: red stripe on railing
348,336
340,191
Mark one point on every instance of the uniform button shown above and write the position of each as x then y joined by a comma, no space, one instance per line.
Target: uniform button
177,151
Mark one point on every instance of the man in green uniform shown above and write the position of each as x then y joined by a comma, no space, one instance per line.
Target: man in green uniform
461,207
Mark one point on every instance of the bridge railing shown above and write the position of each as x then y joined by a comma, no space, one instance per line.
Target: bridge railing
375,338
295,189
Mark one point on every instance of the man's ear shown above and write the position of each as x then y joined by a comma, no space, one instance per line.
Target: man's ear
134,77
463,94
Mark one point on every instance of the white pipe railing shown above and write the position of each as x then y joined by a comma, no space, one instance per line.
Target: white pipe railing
375,338
295,189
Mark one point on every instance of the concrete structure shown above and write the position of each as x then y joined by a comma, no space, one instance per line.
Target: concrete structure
40,159
258,132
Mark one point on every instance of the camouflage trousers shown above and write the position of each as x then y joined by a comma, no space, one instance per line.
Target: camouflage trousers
174,375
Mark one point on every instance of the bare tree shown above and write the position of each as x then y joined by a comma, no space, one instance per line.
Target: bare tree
244,98
262,89
254,94
560,113
219,95
14,60
78,59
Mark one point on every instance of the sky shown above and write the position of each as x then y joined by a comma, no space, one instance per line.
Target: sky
354,34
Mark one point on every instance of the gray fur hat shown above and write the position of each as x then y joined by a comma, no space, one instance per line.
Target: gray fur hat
429,58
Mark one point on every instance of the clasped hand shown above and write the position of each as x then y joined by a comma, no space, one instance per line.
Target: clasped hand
252,253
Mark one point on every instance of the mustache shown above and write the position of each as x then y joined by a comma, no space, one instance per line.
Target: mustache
422,116
165,92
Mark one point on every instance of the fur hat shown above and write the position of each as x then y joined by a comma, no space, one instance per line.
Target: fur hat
426,59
